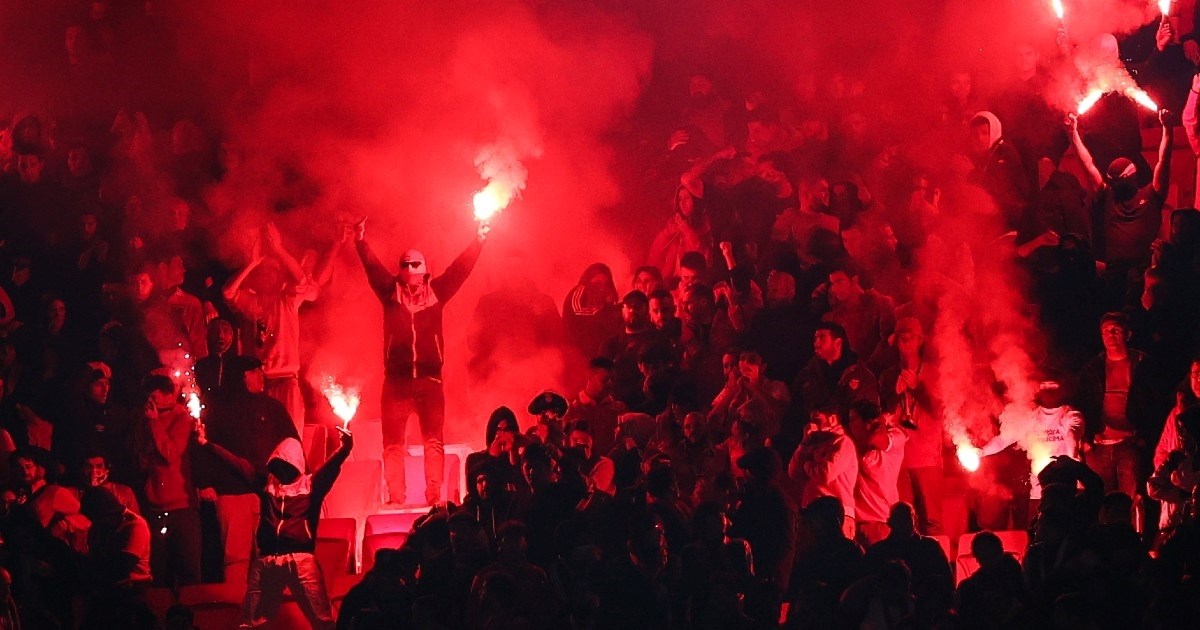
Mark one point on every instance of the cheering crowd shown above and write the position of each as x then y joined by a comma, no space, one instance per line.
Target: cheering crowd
761,422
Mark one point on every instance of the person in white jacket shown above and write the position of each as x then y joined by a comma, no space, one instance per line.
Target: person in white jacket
826,464
1054,429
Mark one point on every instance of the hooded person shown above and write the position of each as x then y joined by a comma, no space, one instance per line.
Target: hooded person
290,500
998,168
500,457
413,355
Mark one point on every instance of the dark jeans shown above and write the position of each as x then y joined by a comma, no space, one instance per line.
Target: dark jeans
403,396
925,486
174,546
1120,465
301,574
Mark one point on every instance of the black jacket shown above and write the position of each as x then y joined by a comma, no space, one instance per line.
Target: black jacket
1144,406
413,343
289,514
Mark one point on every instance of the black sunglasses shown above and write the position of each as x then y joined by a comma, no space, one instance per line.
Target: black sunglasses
411,263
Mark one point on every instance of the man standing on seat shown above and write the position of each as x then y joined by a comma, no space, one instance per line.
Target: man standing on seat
413,355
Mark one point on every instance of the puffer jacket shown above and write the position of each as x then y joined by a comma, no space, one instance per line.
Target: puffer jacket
413,344
289,512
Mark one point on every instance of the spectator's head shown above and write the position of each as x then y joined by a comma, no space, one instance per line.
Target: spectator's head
512,541
761,464
32,464
662,308
901,521
600,378
79,161
1193,380
700,86
635,310
830,342
582,440
286,463
55,313
1025,60
824,516
539,467
89,225
141,283
959,86
549,405
76,41
597,281
987,549
1116,508
1121,176
865,419
826,418
502,420
814,193
249,371
647,279
413,270
171,272
1050,392
648,543
781,287
1114,334
660,481
845,282
101,507
696,305
895,580
30,164
99,382
694,427
685,203
773,168
1185,227
160,391
692,267
908,336
220,336
95,468
710,522
985,131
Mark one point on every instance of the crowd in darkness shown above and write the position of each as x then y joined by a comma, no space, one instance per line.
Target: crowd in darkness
759,435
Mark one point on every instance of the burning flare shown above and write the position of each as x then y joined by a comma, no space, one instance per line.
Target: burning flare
194,405
1139,95
342,400
1164,6
491,200
1057,5
968,457
1089,101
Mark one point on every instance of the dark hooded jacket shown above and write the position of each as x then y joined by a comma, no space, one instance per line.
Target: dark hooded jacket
413,344
289,512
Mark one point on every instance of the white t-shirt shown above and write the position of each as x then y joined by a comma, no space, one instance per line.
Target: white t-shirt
878,479
1052,433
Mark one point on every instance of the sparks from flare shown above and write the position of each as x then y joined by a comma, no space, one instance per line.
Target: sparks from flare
491,200
194,405
1141,98
1089,101
342,400
1057,5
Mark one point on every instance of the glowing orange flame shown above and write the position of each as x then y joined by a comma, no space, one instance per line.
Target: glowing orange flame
968,457
1089,101
1057,5
342,400
1139,95
491,200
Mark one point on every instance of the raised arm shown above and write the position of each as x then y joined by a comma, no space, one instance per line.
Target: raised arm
1162,170
693,179
275,243
378,277
1085,156
234,284
447,284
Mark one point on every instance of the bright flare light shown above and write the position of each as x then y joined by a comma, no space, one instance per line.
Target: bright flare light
491,200
968,457
194,405
1143,99
1057,5
342,400
1164,6
1089,101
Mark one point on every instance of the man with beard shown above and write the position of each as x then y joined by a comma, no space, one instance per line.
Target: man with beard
97,424
834,376
623,348
1129,216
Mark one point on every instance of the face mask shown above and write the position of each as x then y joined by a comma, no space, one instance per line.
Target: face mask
1124,188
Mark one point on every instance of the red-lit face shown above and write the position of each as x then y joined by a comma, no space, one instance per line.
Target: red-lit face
662,310
78,163
981,138
826,346
1114,337
162,401
685,203
95,469
687,277
1026,59
646,282
729,364
841,286
99,389
599,383
142,286
56,314
31,473
88,225
1194,378
909,343
29,167
820,193
960,86
582,441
